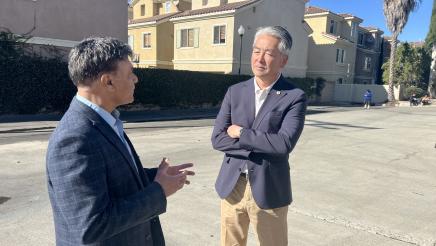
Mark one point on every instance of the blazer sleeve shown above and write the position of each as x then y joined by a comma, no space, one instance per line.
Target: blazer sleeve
285,139
77,177
220,139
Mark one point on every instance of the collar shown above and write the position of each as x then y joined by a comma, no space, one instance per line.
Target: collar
267,89
110,118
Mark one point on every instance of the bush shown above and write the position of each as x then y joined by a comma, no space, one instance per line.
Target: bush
414,90
31,83
176,88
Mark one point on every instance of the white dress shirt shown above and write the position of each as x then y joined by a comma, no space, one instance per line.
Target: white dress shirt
261,95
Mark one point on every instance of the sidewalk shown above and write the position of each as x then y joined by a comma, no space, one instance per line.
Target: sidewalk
128,116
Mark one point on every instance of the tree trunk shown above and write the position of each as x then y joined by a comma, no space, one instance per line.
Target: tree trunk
432,79
391,97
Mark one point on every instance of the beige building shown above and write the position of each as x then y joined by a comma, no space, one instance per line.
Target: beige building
64,23
150,33
368,55
332,45
207,37
202,35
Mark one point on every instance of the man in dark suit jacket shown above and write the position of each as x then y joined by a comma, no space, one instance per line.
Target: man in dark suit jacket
98,189
257,127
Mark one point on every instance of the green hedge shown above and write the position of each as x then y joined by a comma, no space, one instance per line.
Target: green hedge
32,84
175,88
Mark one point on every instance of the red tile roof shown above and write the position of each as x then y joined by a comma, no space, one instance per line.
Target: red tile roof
314,10
225,7
152,19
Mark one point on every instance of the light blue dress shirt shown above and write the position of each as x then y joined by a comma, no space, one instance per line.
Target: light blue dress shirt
112,119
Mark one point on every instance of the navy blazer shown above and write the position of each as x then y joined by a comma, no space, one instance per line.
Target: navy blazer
97,196
265,142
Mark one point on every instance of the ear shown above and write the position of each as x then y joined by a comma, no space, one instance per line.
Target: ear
284,60
106,81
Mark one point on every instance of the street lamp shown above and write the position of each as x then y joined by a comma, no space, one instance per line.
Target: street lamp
241,31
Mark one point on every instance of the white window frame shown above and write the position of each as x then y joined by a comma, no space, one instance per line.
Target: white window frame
334,26
167,7
340,56
142,35
363,38
140,10
213,35
353,29
196,34
368,61
131,41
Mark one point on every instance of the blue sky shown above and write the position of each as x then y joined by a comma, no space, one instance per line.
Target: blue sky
371,11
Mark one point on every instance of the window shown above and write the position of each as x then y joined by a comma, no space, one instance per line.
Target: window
219,34
187,37
353,29
146,40
360,38
340,56
142,9
204,2
367,65
130,41
332,29
340,81
167,7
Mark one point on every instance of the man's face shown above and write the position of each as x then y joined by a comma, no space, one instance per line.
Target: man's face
123,83
266,59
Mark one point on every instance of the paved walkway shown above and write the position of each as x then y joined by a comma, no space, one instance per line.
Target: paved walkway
360,177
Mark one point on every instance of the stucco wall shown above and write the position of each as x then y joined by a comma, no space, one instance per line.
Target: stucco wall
207,56
66,20
286,13
147,56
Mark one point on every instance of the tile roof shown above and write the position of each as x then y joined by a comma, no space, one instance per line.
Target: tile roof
225,7
314,10
152,19
345,15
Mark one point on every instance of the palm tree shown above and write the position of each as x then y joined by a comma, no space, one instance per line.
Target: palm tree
396,13
430,41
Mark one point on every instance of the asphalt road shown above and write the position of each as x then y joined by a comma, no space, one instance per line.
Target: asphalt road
359,177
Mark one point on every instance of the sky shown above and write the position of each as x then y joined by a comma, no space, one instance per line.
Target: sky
371,11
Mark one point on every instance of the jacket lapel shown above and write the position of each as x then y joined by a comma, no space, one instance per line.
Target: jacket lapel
139,166
274,95
108,133
249,101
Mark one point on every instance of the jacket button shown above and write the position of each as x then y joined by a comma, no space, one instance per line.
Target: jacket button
148,238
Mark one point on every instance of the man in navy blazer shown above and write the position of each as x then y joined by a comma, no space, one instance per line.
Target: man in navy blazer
257,127
99,191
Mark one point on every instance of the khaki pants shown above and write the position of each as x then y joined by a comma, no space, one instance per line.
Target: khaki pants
239,209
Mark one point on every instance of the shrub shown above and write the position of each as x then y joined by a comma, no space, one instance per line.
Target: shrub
414,90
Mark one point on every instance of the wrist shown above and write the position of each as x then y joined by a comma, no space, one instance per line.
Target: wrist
240,131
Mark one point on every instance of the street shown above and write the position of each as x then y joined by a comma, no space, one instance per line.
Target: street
359,177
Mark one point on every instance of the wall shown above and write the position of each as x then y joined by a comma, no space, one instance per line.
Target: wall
71,20
354,93
207,56
147,55
286,13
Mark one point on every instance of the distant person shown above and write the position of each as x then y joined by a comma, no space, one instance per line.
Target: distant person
257,127
367,99
413,100
99,191
425,100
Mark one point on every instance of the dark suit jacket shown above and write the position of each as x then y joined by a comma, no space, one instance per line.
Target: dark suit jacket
265,142
97,196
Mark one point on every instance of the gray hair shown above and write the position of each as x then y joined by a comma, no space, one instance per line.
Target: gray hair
95,55
278,32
